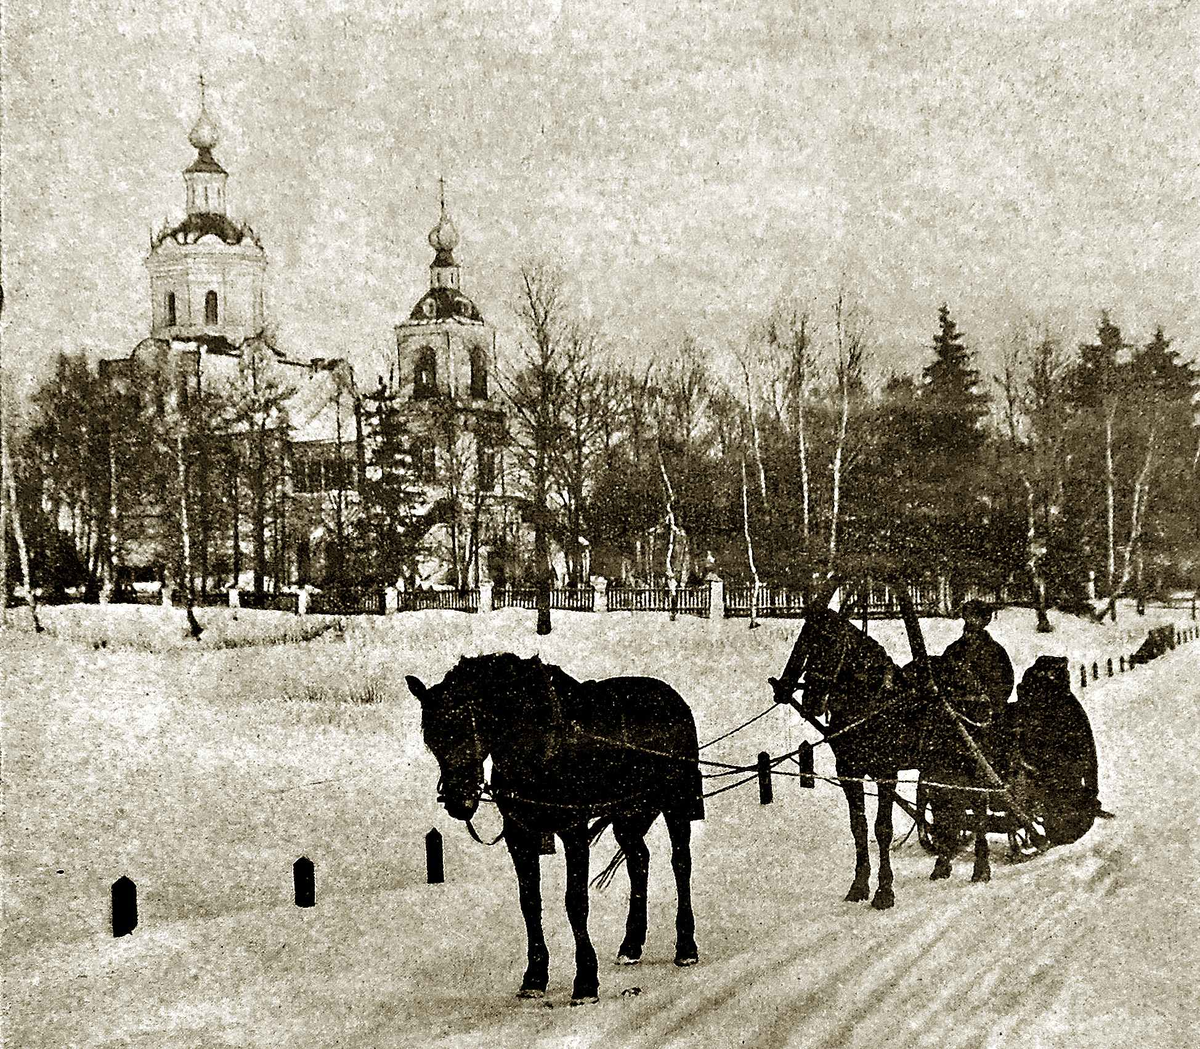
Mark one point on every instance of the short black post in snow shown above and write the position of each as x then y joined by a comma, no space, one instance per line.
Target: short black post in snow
1110,666
435,871
1082,676
1095,671
124,906
765,795
1122,664
804,759
304,875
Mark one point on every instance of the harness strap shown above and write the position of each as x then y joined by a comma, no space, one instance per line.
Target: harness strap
475,835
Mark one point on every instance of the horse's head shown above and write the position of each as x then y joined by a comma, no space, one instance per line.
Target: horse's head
458,727
831,664
818,659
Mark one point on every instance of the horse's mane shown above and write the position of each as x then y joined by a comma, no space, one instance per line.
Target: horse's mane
500,674
865,650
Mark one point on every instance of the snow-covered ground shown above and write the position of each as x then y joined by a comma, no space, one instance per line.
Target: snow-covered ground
203,772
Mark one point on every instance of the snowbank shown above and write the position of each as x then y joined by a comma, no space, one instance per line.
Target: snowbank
203,772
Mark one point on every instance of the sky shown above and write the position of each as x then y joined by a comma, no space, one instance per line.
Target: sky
685,165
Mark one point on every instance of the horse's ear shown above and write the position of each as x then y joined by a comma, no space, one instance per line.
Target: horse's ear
416,687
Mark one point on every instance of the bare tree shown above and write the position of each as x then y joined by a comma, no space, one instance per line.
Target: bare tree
534,393
10,487
788,331
850,346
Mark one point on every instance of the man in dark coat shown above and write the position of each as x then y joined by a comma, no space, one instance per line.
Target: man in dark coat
984,656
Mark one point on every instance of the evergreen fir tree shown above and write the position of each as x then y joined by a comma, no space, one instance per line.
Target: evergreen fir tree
954,404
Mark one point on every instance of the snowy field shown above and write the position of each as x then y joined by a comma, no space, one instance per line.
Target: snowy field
203,771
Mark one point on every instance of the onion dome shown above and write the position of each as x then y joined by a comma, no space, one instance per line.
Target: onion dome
443,238
204,134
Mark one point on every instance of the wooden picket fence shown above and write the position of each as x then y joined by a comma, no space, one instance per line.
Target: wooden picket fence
348,602
689,600
883,602
444,600
564,599
269,602
774,602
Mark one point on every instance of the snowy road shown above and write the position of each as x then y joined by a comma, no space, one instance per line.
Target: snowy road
203,775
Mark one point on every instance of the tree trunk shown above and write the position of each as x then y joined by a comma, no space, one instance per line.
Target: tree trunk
541,543
18,532
1110,485
672,583
185,536
1036,552
3,520
1141,491
749,550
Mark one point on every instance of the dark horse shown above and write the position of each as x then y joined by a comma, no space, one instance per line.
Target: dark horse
566,752
881,719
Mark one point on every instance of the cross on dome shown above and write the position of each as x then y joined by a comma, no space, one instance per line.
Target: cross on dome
204,134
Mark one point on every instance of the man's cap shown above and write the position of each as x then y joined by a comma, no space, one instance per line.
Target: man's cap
975,607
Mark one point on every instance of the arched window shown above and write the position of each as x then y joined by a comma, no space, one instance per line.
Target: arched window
479,385
425,374
171,321
210,307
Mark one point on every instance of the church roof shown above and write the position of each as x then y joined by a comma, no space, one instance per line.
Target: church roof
206,162
207,223
445,304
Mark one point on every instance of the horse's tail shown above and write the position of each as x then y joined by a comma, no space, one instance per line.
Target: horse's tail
598,828
604,878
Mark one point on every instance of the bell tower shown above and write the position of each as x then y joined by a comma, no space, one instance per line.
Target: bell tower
207,272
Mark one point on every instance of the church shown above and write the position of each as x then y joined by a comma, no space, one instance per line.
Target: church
290,460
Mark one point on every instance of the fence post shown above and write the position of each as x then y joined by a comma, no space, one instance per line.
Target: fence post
804,760
765,795
304,879
302,601
485,597
601,587
234,598
391,600
124,906
435,872
716,597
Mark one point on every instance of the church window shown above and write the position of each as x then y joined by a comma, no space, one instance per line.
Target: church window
429,307
487,469
171,321
479,382
210,307
425,374
424,459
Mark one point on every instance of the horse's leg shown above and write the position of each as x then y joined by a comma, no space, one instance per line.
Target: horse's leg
860,888
983,869
945,834
523,849
630,832
679,826
575,849
884,898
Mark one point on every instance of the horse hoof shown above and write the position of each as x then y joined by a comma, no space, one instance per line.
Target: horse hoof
628,959
530,992
883,900
857,894
981,876
686,960
585,999
941,869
